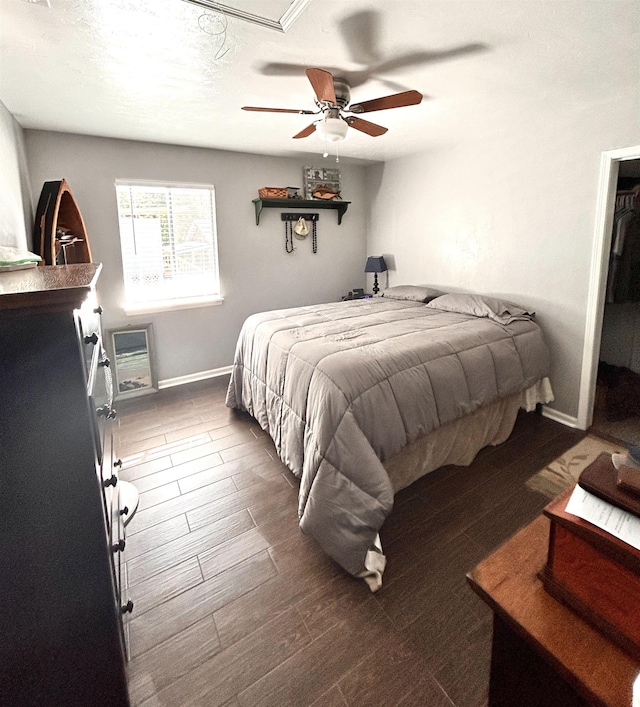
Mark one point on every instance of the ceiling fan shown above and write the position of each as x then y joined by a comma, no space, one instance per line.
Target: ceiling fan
332,97
362,34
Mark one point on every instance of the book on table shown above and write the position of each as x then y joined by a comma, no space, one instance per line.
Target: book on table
601,479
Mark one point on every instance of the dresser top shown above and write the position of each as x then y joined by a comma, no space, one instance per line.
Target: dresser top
47,288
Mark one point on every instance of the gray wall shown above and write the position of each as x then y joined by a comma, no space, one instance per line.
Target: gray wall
255,271
16,215
510,214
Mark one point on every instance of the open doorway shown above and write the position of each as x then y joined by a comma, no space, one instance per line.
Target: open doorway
610,389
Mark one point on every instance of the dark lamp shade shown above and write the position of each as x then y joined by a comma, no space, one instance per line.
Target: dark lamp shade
375,263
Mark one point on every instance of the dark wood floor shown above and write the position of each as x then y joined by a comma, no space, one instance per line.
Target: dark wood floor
234,606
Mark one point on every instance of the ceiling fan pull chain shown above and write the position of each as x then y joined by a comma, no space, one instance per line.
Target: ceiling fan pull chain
314,235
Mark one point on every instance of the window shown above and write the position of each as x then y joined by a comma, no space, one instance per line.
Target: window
169,244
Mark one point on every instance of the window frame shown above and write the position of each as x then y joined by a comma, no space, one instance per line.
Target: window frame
135,307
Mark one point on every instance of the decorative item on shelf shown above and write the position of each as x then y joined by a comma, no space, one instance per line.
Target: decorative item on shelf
59,233
65,243
375,264
273,192
321,183
280,193
300,230
323,191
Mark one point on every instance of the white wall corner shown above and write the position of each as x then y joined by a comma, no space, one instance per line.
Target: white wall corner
561,417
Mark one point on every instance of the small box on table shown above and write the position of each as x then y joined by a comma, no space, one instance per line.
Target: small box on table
594,573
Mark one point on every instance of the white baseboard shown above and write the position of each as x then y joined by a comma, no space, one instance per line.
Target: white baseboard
193,377
561,417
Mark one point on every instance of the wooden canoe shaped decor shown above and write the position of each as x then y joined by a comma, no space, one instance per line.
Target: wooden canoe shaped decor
59,234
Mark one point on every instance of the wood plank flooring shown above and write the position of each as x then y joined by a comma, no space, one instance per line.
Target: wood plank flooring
234,607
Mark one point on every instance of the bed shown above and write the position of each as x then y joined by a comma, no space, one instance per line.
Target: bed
363,397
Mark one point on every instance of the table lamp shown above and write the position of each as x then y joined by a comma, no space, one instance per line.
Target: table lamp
375,264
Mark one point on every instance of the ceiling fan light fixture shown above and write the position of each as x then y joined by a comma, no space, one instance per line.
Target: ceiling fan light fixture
332,129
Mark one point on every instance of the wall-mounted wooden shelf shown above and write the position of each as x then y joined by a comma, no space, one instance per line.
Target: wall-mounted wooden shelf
339,206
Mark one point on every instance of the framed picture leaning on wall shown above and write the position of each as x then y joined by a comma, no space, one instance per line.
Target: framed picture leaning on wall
133,365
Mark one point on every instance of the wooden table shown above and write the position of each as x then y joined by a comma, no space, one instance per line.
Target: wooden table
543,654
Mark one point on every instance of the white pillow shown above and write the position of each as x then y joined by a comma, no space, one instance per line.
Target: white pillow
481,306
413,293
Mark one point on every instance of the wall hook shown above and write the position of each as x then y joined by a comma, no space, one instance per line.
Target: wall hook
297,217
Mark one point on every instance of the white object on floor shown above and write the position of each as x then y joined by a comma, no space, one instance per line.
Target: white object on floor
624,460
375,562
129,498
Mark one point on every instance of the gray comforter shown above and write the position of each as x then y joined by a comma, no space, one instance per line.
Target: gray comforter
342,387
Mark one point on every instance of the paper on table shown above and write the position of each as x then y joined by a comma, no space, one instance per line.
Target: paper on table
624,526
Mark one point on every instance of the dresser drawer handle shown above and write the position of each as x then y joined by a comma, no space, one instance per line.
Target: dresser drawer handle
127,608
119,546
112,414
111,481
98,310
103,410
118,463
93,339
105,362
124,511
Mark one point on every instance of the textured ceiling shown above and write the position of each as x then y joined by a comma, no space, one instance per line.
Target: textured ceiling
168,71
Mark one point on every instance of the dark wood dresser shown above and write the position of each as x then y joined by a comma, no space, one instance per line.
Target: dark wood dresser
61,526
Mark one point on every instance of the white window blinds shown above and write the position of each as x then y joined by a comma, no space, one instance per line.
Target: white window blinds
168,241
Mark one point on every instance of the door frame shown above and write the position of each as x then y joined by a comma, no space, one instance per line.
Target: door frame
609,167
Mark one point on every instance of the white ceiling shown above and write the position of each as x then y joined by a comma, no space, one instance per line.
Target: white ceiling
145,70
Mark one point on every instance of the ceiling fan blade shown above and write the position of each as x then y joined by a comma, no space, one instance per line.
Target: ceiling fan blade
364,126
282,69
361,35
306,132
322,82
397,100
280,110
428,57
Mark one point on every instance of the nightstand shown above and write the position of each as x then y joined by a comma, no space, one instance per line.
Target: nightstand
351,296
